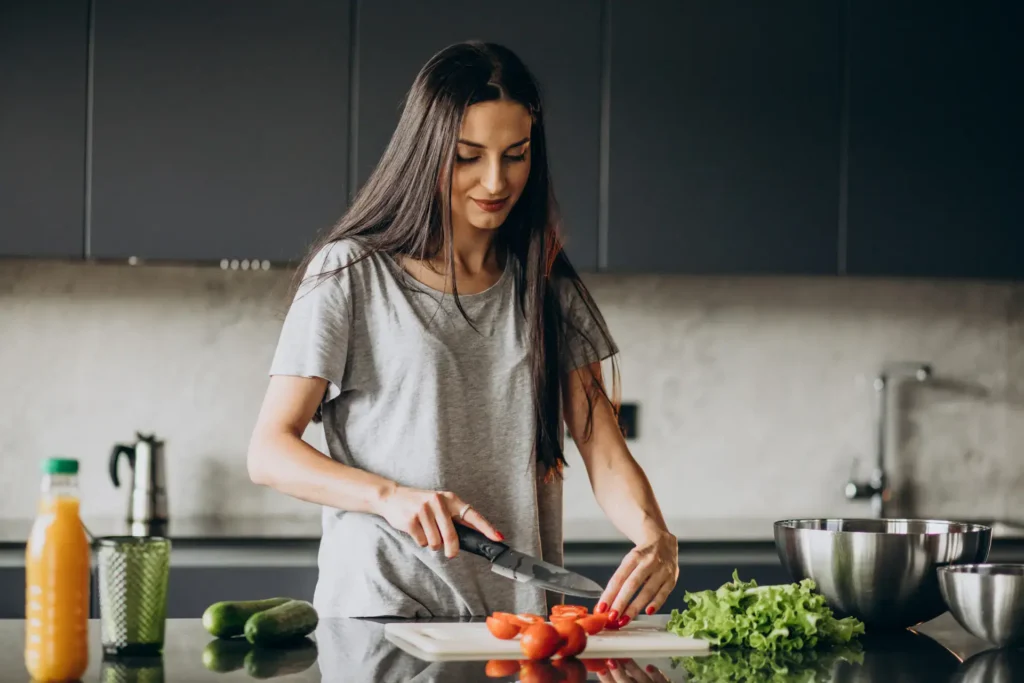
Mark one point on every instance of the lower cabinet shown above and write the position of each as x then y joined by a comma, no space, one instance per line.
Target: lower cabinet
193,589
190,589
12,592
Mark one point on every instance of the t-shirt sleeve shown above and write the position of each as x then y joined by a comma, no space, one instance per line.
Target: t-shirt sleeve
314,339
587,339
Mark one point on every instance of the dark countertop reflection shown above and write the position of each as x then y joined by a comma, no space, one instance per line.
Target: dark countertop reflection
355,650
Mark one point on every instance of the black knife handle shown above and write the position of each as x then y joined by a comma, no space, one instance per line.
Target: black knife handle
475,542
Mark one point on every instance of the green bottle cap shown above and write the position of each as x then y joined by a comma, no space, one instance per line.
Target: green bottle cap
60,466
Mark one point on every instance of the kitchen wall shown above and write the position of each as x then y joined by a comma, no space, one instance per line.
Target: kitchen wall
755,394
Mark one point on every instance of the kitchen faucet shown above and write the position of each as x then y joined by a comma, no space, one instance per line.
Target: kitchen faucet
877,487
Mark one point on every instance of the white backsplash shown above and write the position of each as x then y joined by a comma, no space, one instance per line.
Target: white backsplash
755,393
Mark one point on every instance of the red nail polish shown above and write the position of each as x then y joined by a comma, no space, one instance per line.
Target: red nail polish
651,609
611,664
613,615
625,620
650,668
501,536
601,607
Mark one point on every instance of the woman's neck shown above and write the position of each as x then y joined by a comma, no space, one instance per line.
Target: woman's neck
477,261
475,253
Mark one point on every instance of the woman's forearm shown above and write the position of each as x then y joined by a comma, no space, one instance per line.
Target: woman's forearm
286,463
620,486
625,495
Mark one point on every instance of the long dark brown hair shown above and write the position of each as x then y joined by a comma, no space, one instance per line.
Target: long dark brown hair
399,211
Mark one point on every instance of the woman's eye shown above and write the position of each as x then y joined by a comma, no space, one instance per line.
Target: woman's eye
467,160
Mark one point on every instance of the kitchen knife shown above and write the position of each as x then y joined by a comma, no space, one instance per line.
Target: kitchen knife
525,568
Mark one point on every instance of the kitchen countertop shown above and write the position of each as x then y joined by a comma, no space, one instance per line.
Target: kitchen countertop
356,650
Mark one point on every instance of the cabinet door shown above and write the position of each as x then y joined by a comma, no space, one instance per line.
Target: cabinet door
191,590
43,75
936,163
560,43
12,592
724,136
220,129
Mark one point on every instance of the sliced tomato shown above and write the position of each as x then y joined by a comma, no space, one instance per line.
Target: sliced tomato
502,628
571,618
578,610
500,668
528,618
506,616
593,623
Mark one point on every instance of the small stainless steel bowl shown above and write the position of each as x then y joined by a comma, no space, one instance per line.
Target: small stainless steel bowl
881,571
987,600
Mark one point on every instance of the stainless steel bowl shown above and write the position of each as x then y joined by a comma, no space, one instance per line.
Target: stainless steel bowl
987,600
882,571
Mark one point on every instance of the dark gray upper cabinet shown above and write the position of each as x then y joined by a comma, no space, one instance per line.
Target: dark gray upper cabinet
560,43
724,136
43,79
936,161
220,129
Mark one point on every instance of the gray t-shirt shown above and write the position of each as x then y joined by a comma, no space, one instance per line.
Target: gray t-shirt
418,396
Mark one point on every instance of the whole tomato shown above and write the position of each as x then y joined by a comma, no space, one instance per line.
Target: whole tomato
540,641
501,628
573,636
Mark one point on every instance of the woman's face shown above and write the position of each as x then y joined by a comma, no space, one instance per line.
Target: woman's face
492,163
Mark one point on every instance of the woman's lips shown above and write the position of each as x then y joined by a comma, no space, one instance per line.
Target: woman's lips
491,205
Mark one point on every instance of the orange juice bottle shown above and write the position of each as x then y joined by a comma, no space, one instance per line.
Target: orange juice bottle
57,580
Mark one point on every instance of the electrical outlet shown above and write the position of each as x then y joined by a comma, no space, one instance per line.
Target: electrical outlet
628,419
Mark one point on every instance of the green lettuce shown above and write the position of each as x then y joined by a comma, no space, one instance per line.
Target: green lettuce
752,666
786,617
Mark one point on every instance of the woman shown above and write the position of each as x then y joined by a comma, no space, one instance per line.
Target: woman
441,335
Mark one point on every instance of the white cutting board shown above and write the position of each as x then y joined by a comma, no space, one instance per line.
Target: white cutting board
472,640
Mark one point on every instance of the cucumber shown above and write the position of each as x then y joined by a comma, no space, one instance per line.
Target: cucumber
223,656
282,624
227,619
268,662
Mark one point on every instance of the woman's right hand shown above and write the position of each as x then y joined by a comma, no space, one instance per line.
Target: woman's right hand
428,516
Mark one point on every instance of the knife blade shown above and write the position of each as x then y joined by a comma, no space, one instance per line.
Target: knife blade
524,568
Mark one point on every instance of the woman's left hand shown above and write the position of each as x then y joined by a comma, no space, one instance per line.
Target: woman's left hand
649,572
